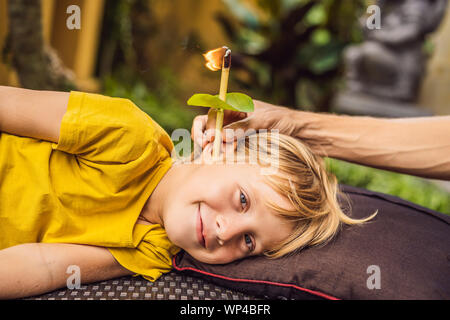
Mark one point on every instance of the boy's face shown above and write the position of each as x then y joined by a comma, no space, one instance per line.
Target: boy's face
218,213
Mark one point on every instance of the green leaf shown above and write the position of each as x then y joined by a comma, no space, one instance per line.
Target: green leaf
240,102
235,101
206,100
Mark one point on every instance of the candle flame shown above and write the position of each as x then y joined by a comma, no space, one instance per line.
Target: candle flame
214,58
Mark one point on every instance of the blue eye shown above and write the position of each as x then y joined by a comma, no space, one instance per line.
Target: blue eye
243,200
248,242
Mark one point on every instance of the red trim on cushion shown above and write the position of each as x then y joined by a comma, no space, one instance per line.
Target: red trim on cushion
317,293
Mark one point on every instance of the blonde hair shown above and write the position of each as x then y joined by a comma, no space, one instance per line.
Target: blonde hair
312,190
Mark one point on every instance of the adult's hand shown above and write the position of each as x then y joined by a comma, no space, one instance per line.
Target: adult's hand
415,146
264,116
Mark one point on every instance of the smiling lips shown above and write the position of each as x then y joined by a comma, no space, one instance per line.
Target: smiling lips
200,236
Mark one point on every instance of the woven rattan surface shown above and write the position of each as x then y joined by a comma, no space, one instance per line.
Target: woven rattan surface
170,286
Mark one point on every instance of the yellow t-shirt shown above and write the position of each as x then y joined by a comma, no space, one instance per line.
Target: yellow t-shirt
90,187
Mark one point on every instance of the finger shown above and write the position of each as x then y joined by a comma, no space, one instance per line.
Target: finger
209,136
229,118
236,130
233,116
198,128
240,124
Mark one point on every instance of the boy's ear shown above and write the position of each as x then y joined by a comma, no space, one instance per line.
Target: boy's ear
227,154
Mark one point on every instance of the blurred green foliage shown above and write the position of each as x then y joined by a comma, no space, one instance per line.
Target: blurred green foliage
160,103
405,186
125,70
291,50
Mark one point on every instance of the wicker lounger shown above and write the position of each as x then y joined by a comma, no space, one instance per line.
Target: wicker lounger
170,286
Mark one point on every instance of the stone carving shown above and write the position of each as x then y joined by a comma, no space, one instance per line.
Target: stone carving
390,63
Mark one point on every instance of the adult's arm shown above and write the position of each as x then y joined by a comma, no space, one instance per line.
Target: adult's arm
415,146
36,268
32,113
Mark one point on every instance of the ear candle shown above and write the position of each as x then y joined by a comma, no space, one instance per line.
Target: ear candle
226,64
220,59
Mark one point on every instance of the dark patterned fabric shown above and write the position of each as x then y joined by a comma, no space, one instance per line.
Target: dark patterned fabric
170,286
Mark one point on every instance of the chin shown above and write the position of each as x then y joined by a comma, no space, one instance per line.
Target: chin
174,236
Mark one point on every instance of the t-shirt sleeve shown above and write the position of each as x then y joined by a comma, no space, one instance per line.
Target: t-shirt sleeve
106,129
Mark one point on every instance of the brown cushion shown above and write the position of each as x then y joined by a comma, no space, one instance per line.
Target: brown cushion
408,243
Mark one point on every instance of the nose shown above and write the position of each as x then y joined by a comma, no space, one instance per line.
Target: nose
228,227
